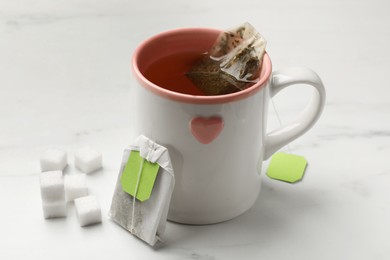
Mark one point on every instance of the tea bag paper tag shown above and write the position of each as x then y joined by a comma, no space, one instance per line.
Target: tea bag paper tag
129,179
287,167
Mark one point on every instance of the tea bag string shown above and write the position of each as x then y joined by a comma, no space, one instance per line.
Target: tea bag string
137,185
280,121
135,194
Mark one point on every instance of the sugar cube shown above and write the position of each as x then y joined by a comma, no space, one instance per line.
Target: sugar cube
52,185
54,208
53,159
88,210
75,186
88,160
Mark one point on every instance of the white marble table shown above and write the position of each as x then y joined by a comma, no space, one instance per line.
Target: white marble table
65,82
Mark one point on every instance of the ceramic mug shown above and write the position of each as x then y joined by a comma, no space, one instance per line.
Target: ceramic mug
217,143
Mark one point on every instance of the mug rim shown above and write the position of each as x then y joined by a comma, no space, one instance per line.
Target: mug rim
196,99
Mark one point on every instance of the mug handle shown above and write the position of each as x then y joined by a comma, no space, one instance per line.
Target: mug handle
284,78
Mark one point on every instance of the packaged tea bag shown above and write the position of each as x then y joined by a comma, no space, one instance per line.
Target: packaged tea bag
143,191
232,64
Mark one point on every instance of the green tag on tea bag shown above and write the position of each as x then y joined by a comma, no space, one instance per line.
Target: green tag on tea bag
147,174
287,167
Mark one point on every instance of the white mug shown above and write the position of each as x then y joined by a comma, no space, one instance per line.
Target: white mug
217,143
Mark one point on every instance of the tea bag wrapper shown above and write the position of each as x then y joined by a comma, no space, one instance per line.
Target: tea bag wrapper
145,219
233,63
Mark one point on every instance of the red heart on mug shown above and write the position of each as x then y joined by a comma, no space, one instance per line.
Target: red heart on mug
205,130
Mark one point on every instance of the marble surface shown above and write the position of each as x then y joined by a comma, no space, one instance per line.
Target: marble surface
65,82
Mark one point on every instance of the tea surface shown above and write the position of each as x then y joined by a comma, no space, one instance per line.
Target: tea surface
169,72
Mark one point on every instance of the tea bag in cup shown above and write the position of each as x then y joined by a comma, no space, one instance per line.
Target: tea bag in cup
143,191
233,63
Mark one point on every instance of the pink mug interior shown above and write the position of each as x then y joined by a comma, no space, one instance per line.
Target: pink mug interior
187,40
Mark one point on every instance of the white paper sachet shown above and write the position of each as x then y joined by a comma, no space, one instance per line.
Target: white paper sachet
240,52
145,219
232,64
